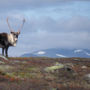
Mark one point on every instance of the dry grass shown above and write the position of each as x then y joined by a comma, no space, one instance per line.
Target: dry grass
29,74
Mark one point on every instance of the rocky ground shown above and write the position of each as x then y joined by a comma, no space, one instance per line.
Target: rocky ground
44,74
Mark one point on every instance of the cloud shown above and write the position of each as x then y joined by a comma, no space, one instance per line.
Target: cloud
45,32
72,33
48,24
31,4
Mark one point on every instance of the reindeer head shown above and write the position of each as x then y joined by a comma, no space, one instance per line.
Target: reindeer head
13,36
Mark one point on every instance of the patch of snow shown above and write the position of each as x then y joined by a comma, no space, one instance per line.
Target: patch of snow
41,52
78,51
87,53
60,55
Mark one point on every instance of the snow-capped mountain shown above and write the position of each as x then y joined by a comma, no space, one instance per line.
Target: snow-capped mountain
59,53
78,50
40,52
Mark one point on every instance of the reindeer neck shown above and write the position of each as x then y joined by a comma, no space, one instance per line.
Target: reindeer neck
11,39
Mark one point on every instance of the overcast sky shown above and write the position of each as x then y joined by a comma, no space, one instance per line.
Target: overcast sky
49,24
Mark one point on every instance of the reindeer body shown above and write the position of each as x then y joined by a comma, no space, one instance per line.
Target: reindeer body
3,40
7,40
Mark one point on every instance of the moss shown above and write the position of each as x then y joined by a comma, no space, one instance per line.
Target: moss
52,68
6,68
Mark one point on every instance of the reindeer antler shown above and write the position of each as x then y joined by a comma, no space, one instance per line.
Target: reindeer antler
9,24
22,24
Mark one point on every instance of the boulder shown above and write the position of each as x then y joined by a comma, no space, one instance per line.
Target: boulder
3,57
54,67
87,78
84,67
58,66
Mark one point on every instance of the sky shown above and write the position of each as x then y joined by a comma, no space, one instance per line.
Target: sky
49,24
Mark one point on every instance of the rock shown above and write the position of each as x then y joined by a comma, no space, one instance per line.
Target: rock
69,65
54,89
58,66
1,56
76,59
84,67
55,67
2,62
68,69
87,78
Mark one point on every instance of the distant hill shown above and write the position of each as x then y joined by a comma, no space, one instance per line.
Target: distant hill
57,52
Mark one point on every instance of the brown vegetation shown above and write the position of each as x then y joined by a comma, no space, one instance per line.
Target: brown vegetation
29,74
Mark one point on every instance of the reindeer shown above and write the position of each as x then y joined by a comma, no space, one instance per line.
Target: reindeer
7,40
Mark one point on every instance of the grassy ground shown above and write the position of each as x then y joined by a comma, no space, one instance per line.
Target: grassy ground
29,74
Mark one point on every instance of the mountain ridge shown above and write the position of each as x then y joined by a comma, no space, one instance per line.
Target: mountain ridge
57,53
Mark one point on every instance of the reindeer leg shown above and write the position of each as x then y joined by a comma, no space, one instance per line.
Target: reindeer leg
6,51
3,51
